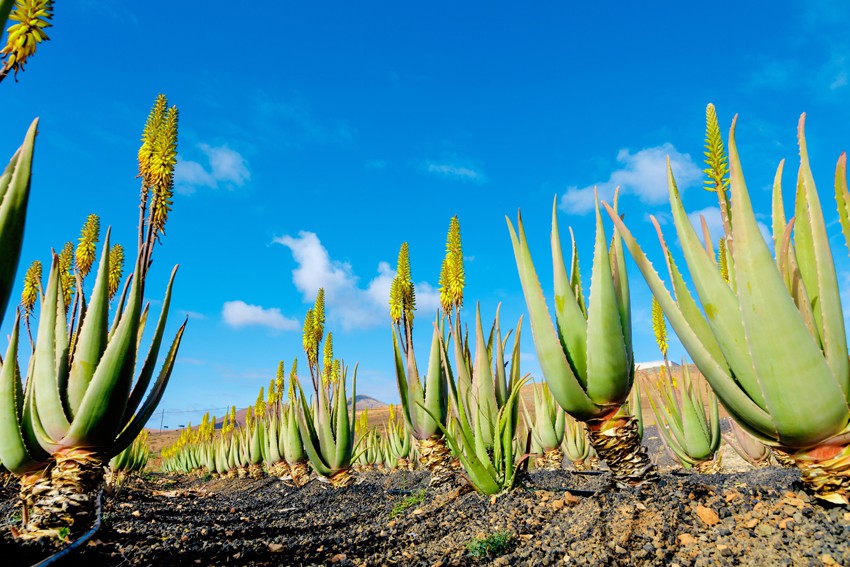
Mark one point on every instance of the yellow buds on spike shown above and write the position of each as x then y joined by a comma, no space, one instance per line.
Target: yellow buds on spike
402,293
32,287
260,405
249,417
335,372
308,338
66,273
319,317
392,414
452,277
327,363
659,327
33,17
87,246
116,268
272,396
157,158
715,154
723,261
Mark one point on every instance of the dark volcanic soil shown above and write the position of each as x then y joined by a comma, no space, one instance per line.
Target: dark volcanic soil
751,518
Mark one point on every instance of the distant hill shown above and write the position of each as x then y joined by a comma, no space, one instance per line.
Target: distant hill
367,402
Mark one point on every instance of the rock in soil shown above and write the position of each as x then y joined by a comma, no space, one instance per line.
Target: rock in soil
759,517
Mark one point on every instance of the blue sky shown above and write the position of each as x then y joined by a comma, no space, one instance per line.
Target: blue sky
315,138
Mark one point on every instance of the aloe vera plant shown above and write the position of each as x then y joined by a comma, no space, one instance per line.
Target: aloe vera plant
547,429
771,340
748,447
84,402
587,360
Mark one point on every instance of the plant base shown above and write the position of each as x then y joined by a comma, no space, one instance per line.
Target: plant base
403,464
711,466
62,495
341,478
783,459
256,471
551,460
436,457
300,473
617,442
827,478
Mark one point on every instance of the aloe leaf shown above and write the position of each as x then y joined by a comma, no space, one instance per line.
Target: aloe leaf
779,221
146,373
44,370
98,418
621,285
309,437
571,319
136,422
436,394
14,454
14,195
804,253
343,425
829,304
724,385
483,385
562,381
801,393
717,298
92,337
842,196
607,362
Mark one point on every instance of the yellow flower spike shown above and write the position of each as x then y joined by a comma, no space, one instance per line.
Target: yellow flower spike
66,273
723,261
32,287
715,154
452,278
279,379
327,363
33,17
260,405
87,245
149,137
163,162
659,327
335,372
293,378
308,336
272,395
249,417
318,320
116,268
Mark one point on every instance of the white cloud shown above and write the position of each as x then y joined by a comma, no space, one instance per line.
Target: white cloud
455,171
354,306
240,314
191,314
643,174
225,167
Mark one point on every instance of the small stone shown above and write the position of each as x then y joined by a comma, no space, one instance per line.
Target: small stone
827,559
751,523
765,530
620,550
686,539
438,564
233,510
418,511
391,523
502,561
204,531
732,495
492,500
721,547
558,504
707,515
339,557
794,501
569,499
784,523
275,547
640,506
135,514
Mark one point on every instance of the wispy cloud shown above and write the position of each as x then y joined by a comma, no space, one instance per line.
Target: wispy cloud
643,174
290,121
454,167
224,167
192,314
240,314
353,305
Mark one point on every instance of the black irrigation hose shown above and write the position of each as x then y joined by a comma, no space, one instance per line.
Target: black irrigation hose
401,491
79,542
589,473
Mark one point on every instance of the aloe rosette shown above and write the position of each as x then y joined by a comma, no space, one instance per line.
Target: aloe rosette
771,340
587,360
748,447
547,429
577,446
688,420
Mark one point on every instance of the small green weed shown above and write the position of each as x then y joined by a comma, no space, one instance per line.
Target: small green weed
493,545
409,502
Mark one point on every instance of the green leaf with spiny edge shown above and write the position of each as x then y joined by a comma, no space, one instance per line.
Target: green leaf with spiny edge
136,422
144,379
608,372
717,298
92,337
499,371
569,314
804,254
483,386
779,220
621,284
14,195
344,422
15,455
98,418
842,196
575,276
805,401
309,436
833,333
715,370
553,362
44,370
436,390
